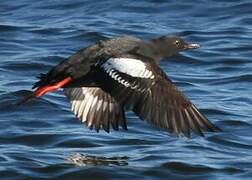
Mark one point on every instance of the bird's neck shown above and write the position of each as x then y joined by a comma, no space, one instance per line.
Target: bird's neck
161,49
153,50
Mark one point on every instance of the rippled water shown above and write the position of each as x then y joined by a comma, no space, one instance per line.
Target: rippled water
42,139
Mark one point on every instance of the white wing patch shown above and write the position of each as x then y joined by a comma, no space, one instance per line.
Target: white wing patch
91,105
132,67
83,102
118,78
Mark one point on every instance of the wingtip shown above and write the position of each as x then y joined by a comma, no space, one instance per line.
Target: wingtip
212,127
216,128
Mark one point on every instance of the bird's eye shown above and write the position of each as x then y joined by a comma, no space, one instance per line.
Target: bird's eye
177,43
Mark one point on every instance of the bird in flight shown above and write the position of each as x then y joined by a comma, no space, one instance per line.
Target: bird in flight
112,76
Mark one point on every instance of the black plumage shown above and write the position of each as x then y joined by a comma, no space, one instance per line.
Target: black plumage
119,74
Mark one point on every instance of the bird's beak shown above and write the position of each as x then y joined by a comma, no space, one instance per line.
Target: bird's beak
191,46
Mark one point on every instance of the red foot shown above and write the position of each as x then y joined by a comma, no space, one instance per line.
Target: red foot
43,90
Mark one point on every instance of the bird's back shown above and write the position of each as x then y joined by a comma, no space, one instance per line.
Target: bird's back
80,62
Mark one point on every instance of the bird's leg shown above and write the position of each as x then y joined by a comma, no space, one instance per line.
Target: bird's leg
45,89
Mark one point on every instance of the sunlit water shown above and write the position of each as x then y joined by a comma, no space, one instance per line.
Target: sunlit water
43,139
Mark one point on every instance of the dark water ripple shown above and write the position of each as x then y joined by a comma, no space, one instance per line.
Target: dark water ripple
43,140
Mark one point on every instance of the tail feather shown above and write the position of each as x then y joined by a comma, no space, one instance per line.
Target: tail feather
41,76
43,80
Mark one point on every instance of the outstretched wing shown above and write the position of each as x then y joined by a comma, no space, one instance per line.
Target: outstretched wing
96,108
144,88
164,106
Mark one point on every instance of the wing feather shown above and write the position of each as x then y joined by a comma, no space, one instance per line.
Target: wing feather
96,108
152,96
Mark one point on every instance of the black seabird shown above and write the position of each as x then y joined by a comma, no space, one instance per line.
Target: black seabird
104,80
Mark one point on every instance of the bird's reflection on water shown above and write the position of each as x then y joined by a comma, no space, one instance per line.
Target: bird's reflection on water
92,160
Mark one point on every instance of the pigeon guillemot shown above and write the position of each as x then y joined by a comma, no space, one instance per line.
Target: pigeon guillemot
104,80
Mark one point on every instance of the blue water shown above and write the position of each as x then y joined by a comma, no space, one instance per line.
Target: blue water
43,139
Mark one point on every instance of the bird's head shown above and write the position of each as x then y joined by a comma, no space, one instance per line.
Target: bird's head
170,45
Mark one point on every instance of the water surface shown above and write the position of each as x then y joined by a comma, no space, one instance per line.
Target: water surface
43,139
